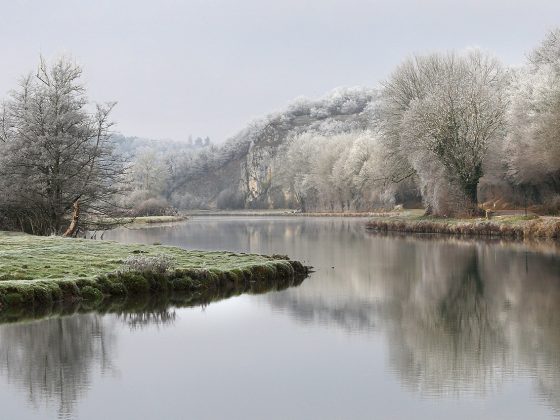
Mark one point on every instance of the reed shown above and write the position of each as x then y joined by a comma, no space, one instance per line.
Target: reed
513,227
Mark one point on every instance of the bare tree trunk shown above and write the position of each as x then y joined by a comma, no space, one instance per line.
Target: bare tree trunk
471,193
75,218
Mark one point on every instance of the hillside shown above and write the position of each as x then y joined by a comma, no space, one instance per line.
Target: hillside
240,173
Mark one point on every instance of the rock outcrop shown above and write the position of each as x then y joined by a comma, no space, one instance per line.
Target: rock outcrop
240,173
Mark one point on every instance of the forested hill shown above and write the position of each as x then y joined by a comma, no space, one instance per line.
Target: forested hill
448,131
244,171
454,132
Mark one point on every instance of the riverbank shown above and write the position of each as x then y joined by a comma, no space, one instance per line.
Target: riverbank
508,226
279,212
148,220
42,271
143,305
140,221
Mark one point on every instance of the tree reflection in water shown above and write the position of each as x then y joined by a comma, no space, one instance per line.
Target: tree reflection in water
163,317
52,359
461,316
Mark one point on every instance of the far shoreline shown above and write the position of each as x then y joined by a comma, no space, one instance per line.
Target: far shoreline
510,224
278,212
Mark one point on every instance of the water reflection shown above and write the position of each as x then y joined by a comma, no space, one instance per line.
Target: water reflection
460,320
139,320
52,360
460,316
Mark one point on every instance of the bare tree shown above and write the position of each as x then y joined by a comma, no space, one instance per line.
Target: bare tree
56,155
446,109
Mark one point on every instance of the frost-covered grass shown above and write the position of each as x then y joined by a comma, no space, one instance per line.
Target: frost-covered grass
512,226
42,270
27,257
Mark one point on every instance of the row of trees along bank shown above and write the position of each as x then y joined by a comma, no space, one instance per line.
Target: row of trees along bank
452,129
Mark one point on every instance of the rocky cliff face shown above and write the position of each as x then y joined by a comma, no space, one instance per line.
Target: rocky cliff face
256,172
240,173
341,111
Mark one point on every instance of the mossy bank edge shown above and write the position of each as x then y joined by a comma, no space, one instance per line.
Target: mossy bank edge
42,271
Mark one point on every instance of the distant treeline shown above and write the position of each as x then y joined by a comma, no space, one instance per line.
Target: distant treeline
447,131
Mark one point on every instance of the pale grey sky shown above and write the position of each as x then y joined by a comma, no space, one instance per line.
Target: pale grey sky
208,67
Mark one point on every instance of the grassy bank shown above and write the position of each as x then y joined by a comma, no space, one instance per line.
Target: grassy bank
42,271
139,221
148,220
144,305
518,227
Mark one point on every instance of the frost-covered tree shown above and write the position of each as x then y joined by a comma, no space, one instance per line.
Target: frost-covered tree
292,171
56,159
442,112
337,173
149,176
532,145
149,172
54,359
243,167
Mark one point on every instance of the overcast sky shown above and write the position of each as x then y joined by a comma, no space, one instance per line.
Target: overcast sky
207,67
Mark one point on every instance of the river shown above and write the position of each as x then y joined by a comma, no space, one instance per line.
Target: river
386,327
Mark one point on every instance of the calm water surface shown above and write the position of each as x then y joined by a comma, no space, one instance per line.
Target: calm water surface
387,327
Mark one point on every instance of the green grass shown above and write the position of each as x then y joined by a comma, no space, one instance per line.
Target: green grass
43,270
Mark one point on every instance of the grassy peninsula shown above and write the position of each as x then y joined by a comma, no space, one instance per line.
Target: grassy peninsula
44,271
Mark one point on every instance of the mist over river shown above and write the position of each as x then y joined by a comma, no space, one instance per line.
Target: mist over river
387,326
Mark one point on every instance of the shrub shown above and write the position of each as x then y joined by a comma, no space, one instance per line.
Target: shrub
160,263
82,283
154,207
